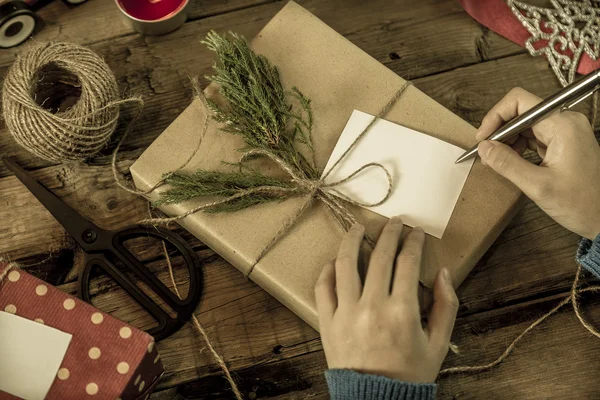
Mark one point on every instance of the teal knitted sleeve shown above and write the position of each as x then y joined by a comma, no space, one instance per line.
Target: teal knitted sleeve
588,255
346,384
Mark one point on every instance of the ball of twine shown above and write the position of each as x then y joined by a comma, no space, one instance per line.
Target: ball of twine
36,94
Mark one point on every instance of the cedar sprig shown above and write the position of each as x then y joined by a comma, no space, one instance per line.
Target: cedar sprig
265,115
259,109
185,187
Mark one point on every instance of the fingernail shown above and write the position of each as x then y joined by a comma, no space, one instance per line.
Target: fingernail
480,135
485,148
396,221
446,276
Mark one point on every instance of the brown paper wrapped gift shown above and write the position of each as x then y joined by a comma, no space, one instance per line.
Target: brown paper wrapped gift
338,77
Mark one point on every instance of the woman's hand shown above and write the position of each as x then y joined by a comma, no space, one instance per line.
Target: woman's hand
566,185
377,328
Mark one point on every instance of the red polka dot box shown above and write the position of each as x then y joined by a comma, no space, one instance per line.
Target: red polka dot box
106,358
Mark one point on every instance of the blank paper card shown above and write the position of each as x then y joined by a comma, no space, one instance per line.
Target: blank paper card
426,181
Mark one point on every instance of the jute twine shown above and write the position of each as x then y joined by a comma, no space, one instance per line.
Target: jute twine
314,189
198,327
84,128
61,102
7,268
571,298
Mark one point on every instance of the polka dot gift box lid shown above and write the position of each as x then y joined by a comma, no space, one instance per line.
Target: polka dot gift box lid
106,358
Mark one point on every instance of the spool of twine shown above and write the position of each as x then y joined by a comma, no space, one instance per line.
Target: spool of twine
61,102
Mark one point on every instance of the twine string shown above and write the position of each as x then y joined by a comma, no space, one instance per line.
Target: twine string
6,270
575,294
197,95
570,298
81,130
196,325
382,113
314,188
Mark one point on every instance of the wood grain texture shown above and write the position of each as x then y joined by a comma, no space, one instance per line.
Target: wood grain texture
557,360
545,365
530,235
159,68
273,353
59,22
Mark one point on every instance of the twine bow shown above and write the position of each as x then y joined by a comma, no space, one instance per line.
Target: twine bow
318,189
315,189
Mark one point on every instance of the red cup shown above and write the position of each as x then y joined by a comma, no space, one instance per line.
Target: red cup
154,17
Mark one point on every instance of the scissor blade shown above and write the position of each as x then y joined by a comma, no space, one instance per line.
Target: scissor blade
70,219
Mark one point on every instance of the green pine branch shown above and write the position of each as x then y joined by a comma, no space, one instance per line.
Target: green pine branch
259,109
185,187
265,115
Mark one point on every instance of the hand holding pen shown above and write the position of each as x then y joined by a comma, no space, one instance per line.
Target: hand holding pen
560,101
566,185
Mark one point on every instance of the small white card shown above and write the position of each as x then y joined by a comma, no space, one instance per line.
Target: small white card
30,356
427,182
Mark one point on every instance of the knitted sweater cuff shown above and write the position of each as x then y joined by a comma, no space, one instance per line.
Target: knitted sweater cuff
345,384
588,255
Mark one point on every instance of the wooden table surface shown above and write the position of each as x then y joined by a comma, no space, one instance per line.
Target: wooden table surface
272,353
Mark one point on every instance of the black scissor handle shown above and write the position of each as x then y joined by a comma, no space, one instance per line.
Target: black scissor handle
184,308
190,257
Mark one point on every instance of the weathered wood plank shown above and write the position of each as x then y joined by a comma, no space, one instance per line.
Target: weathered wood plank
60,22
273,353
93,21
207,8
471,91
298,378
456,40
559,359
30,229
159,67
247,325
524,241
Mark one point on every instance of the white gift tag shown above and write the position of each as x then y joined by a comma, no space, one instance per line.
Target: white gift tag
427,182
30,356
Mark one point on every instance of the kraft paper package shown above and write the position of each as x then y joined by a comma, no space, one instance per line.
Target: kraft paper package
338,77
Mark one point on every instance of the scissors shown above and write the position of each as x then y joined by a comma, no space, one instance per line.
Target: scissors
101,249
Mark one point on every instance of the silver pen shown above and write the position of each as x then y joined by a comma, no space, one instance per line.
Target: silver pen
562,100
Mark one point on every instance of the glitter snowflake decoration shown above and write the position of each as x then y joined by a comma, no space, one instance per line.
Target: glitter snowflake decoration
571,28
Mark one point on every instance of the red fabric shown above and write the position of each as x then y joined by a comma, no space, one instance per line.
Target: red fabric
496,15
118,343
